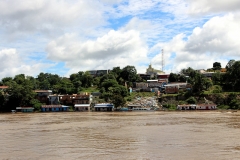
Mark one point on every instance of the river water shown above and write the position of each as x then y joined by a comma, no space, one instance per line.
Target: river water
120,136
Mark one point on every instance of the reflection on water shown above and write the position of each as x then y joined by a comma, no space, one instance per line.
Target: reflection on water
120,135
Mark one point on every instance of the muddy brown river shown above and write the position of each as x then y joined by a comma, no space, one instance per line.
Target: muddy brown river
120,136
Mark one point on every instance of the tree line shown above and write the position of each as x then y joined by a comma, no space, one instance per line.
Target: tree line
113,86
20,91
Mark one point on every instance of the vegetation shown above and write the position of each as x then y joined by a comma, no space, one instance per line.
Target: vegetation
223,88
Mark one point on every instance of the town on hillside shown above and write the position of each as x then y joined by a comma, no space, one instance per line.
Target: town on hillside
124,90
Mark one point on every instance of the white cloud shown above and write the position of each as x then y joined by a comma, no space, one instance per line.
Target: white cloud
220,35
213,6
49,17
12,64
216,41
116,48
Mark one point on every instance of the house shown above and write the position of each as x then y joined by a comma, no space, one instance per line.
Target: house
95,73
153,83
54,108
187,107
83,98
141,85
171,88
176,87
163,77
82,107
24,109
53,99
104,107
43,95
205,106
144,76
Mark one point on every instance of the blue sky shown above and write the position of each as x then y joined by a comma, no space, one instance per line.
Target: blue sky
66,36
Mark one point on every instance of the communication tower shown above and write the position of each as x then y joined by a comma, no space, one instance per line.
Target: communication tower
162,61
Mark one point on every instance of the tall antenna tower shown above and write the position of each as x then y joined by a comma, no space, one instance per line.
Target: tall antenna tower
162,61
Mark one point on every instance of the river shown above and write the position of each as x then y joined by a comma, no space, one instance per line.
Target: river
120,135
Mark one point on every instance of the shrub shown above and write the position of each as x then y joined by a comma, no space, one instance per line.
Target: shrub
216,89
223,107
191,100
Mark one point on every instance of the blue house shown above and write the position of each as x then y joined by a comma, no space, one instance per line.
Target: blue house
54,108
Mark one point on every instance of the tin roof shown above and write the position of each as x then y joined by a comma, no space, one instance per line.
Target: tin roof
81,105
3,87
52,106
43,91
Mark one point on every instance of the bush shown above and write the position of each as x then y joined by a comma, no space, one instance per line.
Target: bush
191,100
234,104
181,102
216,89
170,106
223,107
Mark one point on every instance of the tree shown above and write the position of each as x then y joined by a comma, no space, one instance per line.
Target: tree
187,71
2,101
230,64
173,77
232,76
20,92
217,78
191,100
129,73
6,79
118,100
217,66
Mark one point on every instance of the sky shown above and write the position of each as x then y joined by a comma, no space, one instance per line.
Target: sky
67,36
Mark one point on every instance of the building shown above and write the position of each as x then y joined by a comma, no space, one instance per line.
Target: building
203,106
144,76
176,87
24,109
163,77
96,73
54,108
153,72
187,107
82,107
43,95
103,107
206,106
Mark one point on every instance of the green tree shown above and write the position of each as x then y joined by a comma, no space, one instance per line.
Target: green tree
230,64
20,92
191,100
217,78
173,77
232,76
118,100
129,73
217,66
